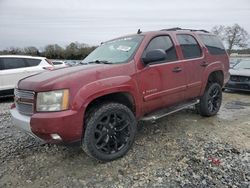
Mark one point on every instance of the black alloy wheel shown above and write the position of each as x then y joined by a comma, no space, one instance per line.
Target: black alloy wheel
110,131
211,100
214,99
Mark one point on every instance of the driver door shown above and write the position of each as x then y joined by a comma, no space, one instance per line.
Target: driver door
162,83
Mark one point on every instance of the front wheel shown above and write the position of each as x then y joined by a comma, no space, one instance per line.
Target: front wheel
211,100
110,132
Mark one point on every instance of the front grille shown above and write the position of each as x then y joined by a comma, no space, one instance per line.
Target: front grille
24,101
240,78
24,94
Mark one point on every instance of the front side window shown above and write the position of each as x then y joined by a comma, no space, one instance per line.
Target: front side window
189,46
115,51
163,43
13,63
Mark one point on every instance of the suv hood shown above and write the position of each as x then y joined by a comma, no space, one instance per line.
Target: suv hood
240,72
61,78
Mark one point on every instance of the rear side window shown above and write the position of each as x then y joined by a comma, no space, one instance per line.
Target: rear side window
13,63
33,62
164,43
189,46
213,44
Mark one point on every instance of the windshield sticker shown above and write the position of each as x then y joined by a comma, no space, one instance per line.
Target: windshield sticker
124,48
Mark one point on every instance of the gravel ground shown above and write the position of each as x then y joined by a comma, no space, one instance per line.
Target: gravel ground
181,150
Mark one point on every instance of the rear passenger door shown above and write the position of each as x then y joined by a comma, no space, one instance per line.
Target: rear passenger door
194,63
13,70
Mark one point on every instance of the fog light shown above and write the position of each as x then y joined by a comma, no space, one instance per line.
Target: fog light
55,137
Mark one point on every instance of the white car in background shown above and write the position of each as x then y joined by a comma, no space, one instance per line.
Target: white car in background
15,67
58,63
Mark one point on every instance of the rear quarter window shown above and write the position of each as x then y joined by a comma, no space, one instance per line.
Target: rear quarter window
33,62
213,44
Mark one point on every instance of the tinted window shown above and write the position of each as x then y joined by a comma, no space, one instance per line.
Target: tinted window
32,62
57,62
13,63
164,43
189,46
213,44
1,64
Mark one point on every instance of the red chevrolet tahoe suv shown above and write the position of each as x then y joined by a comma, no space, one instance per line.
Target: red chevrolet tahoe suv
144,76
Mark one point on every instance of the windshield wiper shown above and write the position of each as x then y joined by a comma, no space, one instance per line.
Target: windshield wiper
100,62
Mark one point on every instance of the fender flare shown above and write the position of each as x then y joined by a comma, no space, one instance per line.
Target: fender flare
213,67
99,88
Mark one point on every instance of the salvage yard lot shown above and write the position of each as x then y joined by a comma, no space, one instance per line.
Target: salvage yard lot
181,150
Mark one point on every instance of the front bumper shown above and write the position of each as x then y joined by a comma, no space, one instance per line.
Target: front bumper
22,122
65,126
241,86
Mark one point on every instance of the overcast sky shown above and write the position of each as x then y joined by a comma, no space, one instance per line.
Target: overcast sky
41,22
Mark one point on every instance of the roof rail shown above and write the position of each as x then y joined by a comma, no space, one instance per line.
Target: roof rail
179,29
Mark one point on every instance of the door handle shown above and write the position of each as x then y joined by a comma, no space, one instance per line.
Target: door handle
204,64
177,69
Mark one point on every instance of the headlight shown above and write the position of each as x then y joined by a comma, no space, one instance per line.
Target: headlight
57,100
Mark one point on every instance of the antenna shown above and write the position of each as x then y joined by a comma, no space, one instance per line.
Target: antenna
139,31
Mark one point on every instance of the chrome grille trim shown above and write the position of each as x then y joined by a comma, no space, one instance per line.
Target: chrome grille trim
26,109
24,94
24,101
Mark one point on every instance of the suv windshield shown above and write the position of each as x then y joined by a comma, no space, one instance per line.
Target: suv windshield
243,64
114,51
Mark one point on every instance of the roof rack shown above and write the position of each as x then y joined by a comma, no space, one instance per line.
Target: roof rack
179,29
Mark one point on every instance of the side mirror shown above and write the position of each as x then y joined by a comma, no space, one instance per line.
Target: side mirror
154,56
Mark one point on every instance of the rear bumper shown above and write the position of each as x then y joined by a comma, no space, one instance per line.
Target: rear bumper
65,126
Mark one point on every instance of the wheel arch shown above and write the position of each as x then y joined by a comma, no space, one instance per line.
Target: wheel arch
124,98
214,76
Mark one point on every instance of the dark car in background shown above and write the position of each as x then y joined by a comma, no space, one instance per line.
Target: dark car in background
240,76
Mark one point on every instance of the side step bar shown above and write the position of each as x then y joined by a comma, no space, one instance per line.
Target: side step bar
166,111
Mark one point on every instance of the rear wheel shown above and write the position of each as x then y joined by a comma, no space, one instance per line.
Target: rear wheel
110,132
210,102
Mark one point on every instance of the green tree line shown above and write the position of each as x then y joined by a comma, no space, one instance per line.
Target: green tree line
74,50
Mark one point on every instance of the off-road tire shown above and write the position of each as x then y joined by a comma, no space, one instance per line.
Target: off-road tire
95,125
